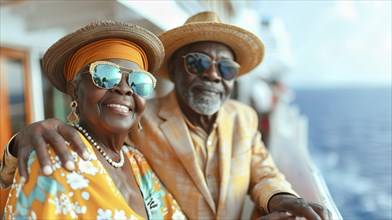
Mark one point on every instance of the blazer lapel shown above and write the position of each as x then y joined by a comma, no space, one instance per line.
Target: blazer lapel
225,148
177,134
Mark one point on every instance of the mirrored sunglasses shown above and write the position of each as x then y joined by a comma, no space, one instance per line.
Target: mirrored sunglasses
198,63
107,75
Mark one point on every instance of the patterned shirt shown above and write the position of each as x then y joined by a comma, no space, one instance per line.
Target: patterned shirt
88,192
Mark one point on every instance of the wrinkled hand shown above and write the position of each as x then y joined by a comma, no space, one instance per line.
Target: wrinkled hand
298,207
36,137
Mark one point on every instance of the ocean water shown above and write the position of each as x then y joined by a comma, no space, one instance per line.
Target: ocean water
350,142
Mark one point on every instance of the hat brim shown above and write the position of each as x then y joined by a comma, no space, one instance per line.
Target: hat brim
55,57
248,48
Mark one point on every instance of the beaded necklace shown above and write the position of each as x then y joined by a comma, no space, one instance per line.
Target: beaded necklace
95,144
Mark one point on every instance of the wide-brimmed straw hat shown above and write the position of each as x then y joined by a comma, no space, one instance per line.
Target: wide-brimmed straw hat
206,26
56,56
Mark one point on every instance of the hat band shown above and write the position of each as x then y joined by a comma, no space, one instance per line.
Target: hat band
104,49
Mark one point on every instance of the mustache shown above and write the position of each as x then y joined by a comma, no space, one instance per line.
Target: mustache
208,86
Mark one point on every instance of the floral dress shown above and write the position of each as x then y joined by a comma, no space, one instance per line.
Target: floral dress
88,192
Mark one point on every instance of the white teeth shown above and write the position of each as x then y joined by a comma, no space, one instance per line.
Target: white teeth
121,108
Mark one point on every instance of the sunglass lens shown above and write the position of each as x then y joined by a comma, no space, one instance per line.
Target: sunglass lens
197,63
106,76
228,69
141,83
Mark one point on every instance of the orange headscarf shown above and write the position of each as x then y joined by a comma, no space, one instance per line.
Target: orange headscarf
104,49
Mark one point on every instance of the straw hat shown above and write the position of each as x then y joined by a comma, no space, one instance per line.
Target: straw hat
55,57
206,26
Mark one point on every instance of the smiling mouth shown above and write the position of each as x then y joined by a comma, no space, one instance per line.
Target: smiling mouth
119,108
206,90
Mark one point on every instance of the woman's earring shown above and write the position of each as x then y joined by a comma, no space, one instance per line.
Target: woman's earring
73,117
139,127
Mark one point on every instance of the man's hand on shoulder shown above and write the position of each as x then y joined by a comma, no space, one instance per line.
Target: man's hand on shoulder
38,135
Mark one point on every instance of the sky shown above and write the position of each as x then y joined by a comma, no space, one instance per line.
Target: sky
335,43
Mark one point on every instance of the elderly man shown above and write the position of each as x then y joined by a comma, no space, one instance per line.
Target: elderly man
204,147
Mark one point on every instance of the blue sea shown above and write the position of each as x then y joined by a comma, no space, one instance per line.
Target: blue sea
350,142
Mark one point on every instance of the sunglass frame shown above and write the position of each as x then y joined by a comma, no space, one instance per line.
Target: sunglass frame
213,62
102,62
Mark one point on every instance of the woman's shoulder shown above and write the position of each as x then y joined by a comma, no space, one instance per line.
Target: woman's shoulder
56,163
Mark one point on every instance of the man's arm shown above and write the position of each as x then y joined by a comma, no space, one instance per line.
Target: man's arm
266,180
8,165
271,191
36,137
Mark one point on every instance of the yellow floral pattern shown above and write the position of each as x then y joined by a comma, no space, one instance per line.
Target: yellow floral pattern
88,192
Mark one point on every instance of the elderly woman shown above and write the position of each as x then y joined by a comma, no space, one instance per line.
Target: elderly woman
103,68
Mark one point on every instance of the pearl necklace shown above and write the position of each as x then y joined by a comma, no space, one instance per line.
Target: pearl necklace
108,159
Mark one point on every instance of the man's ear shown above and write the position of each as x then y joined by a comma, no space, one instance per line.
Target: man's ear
172,69
72,89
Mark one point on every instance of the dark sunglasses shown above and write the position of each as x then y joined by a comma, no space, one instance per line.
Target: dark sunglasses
198,63
107,75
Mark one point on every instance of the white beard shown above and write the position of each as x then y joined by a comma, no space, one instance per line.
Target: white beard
204,104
